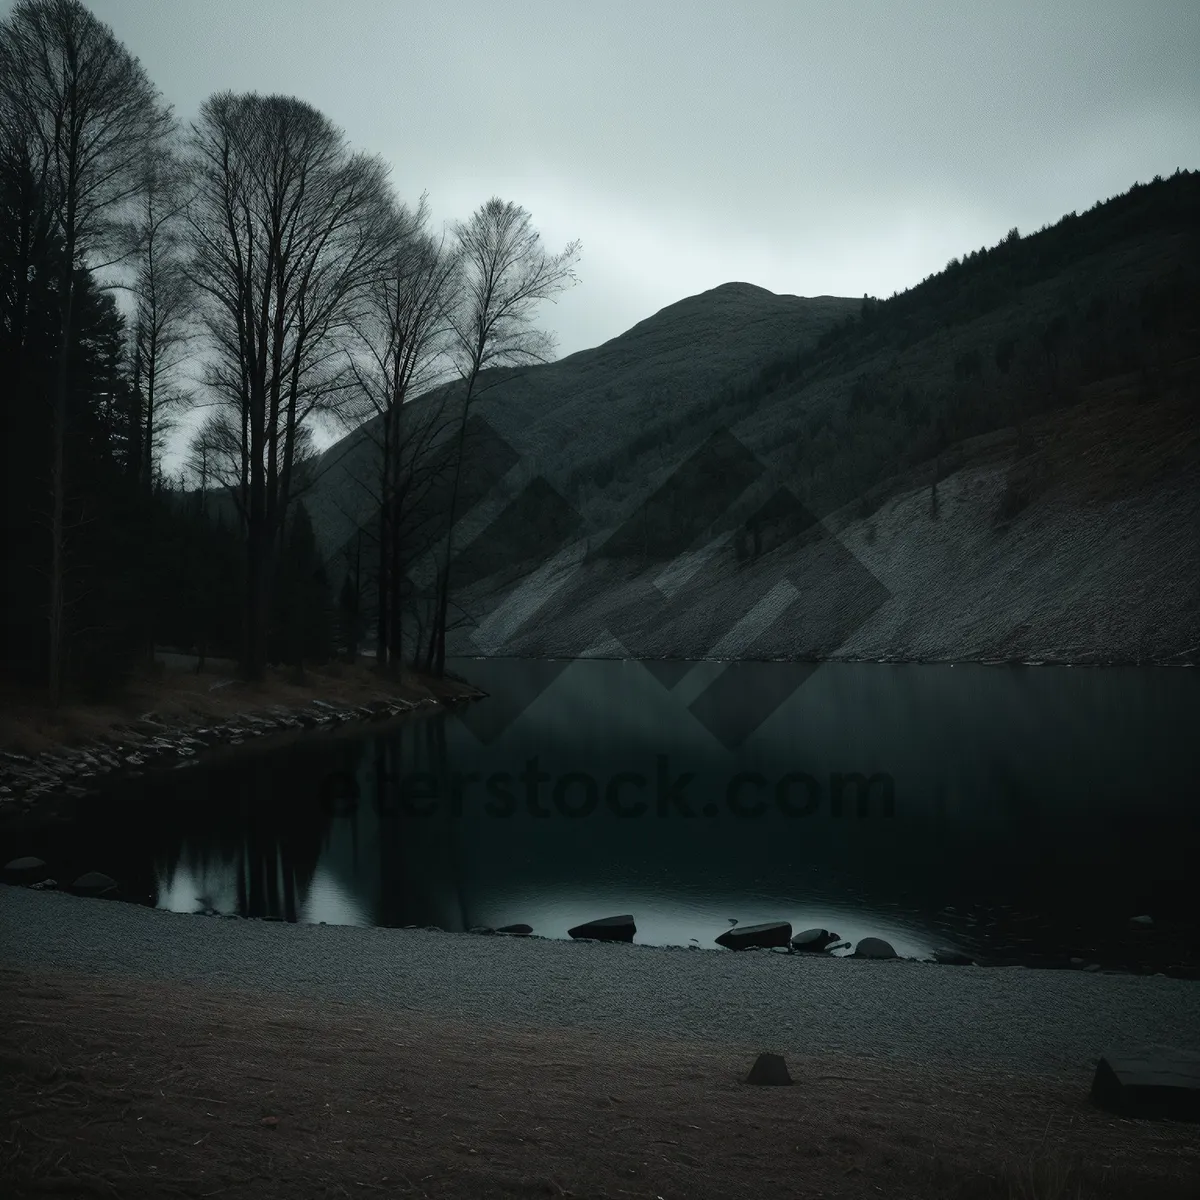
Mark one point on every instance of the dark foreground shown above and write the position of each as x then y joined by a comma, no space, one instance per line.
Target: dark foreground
117,1087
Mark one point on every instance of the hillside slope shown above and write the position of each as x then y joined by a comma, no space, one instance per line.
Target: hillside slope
1001,463
587,406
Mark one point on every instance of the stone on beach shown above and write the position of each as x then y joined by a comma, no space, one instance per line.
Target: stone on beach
24,870
873,947
814,940
771,933
606,929
94,883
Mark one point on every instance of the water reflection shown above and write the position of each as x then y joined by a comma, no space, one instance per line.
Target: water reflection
1026,807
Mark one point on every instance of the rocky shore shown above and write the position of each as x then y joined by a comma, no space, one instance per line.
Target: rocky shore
152,743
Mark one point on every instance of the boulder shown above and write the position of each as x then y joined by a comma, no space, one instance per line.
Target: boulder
814,940
516,930
606,929
1142,922
24,870
772,933
873,947
1149,1083
769,1070
94,883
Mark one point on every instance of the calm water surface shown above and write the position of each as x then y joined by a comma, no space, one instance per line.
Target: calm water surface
1019,813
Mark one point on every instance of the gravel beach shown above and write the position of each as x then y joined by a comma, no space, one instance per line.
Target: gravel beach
1012,1018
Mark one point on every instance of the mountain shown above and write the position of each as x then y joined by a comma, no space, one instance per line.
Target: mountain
567,414
1002,462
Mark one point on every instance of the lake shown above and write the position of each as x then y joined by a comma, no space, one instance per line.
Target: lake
1021,814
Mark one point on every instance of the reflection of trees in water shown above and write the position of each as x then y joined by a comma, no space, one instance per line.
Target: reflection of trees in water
420,875
250,837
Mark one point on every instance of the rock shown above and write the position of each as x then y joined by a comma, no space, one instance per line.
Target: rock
873,947
772,933
44,885
606,929
814,940
27,863
487,929
24,870
1076,962
94,883
953,958
1141,922
1151,1083
1093,967
516,930
769,1070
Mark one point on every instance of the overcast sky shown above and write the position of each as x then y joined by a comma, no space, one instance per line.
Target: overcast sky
808,147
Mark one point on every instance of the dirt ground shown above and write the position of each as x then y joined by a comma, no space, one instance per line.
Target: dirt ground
178,695
121,1088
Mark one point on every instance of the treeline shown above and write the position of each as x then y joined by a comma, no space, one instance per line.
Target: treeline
269,278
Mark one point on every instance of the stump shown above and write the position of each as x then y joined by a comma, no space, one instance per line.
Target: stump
769,1070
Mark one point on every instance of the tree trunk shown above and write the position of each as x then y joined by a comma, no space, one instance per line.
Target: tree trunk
258,563
438,642
58,435
383,588
396,573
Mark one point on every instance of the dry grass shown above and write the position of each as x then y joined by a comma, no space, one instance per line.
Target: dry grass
122,1088
29,725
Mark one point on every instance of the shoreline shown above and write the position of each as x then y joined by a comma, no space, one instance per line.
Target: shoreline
1179,660
89,746
1018,1017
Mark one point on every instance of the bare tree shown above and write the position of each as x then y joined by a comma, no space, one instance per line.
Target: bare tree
86,111
506,273
164,299
288,230
404,339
